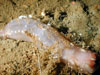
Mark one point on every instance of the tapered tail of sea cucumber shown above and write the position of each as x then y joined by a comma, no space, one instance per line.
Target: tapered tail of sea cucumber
2,33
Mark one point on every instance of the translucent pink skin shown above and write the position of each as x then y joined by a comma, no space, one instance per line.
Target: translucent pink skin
71,54
84,59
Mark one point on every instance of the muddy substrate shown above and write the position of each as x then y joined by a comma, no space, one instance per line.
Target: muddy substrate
78,20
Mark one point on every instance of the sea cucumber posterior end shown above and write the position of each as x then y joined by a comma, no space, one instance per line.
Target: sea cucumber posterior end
84,60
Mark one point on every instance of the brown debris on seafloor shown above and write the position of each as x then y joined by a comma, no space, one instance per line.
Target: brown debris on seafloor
25,59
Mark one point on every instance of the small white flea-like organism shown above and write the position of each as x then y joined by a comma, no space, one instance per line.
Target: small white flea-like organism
27,29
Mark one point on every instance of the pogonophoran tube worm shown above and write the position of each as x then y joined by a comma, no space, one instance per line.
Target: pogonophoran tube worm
23,29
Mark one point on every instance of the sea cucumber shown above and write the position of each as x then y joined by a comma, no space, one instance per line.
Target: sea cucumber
26,28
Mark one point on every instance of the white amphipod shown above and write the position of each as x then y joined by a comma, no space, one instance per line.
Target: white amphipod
20,28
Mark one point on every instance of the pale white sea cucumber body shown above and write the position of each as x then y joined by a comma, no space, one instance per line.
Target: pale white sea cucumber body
16,29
